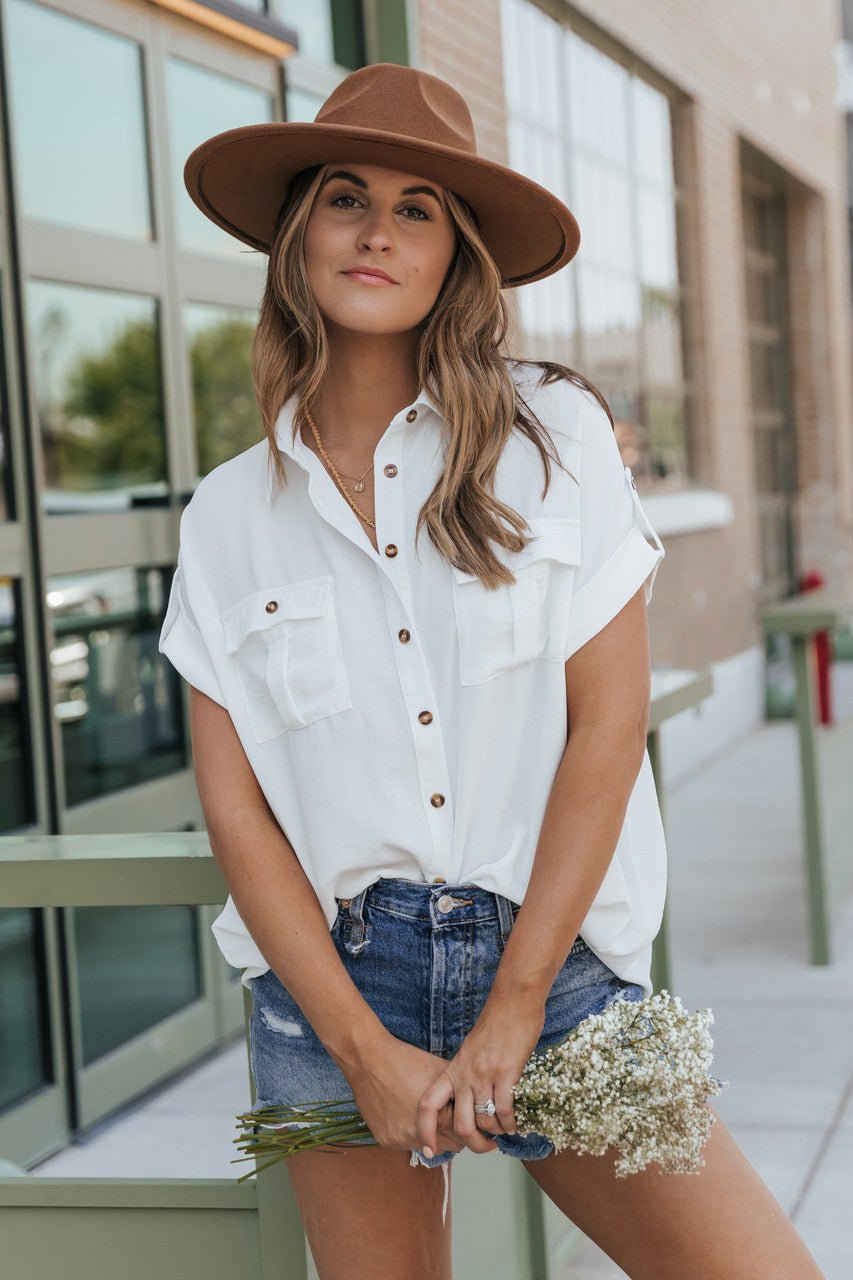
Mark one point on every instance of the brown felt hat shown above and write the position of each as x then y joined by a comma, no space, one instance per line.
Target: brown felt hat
401,118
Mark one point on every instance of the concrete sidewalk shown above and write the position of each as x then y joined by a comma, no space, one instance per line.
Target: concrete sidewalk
783,1031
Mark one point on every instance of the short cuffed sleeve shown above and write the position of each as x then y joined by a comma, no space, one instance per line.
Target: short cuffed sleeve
182,641
620,551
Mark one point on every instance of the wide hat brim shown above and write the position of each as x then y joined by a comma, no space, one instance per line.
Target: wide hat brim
239,180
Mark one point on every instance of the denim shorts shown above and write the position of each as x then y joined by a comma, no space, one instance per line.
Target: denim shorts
424,957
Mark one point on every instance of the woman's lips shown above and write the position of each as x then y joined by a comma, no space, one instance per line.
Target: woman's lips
364,277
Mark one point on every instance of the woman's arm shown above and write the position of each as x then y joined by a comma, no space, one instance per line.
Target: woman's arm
278,905
271,890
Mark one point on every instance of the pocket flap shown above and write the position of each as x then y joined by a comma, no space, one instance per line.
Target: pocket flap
550,538
308,599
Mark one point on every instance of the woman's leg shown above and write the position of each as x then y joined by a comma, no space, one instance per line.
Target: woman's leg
722,1223
366,1211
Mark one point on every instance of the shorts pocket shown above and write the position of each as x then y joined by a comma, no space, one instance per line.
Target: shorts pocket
511,624
288,655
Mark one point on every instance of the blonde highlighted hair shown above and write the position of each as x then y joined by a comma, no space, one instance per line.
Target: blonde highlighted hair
461,362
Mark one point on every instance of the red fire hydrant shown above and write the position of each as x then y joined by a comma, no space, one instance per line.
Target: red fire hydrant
822,652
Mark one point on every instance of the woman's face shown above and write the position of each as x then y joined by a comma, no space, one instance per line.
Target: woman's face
367,216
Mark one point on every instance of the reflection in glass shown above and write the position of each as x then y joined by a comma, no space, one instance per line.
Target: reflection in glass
598,100
535,146
78,122
17,801
96,366
115,696
603,209
225,410
202,103
656,226
662,339
312,24
136,966
652,133
24,1056
7,502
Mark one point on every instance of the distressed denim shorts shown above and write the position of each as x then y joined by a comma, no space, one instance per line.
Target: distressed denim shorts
424,957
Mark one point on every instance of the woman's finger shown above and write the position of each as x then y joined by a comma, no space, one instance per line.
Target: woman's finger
505,1104
431,1102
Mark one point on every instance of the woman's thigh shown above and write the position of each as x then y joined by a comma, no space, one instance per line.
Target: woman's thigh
722,1223
366,1211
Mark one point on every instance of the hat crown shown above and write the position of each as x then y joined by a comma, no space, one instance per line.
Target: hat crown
401,100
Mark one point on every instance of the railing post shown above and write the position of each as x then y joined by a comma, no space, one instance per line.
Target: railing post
813,836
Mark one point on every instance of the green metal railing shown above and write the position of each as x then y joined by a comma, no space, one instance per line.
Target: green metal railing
169,1227
825,756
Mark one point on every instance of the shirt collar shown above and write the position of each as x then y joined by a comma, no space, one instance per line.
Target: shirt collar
297,448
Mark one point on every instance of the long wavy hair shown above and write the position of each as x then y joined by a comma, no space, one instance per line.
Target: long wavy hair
461,362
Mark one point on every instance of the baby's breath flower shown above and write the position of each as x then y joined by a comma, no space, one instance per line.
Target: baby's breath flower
633,1077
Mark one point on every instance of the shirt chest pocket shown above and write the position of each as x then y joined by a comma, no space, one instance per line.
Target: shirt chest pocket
529,618
288,655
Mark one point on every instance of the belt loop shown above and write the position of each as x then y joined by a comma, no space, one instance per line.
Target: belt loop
358,933
504,915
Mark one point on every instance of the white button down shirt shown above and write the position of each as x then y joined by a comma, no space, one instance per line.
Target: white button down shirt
401,719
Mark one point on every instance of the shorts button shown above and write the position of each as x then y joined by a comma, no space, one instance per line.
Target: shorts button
439,880
445,902
345,902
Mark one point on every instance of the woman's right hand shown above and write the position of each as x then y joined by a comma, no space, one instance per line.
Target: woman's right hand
387,1085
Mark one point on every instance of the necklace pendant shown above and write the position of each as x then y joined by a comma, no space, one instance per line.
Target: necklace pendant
359,487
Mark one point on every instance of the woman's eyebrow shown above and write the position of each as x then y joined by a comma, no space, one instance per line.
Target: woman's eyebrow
360,182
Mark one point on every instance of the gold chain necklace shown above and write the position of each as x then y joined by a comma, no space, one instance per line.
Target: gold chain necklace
337,475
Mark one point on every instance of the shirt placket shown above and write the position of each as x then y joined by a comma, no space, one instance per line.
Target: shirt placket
392,558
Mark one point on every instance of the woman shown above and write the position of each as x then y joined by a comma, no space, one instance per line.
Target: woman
380,718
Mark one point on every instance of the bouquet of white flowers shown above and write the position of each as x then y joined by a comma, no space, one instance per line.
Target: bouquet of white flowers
633,1077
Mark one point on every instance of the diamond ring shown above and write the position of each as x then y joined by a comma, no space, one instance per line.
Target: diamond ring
487,1108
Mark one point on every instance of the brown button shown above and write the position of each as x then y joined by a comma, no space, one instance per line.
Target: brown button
404,635
345,902
391,550
425,717
411,415
436,799
390,470
439,880
271,606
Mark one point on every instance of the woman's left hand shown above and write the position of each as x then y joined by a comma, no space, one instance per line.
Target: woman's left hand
488,1065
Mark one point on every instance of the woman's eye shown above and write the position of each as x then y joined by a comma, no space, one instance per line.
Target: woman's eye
346,195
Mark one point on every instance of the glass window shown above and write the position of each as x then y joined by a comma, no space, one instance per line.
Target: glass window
17,802
77,108
599,136
535,148
225,410
202,103
96,368
312,24
24,1060
126,983
115,696
7,502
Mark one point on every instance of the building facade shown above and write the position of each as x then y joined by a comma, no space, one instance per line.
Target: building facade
703,154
